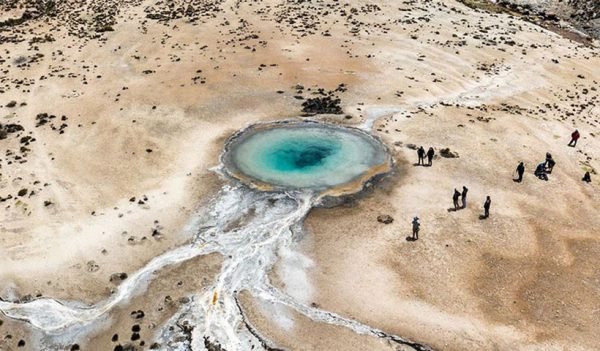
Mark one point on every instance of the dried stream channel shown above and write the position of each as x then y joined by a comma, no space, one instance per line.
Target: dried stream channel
292,166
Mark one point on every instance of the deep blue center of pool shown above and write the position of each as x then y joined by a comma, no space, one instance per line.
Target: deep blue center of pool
300,156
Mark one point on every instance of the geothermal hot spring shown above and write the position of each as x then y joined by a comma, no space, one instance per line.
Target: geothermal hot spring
274,174
308,156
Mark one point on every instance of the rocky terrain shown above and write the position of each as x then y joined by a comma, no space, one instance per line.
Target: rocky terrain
113,115
571,15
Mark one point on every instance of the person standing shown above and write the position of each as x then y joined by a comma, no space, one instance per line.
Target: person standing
587,177
421,154
486,207
549,163
430,154
520,171
463,197
455,198
574,137
415,228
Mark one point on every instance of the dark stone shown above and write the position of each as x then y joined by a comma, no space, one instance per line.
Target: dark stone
446,153
117,278
184,300
139,314
9,129
11,104
327,104
385,219
212,346
105,28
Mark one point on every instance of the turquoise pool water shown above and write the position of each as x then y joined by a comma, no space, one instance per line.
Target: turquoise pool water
305,155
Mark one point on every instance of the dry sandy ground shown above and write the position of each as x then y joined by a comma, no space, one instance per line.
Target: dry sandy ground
140,123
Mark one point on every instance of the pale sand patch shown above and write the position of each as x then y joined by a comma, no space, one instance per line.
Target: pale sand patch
300,333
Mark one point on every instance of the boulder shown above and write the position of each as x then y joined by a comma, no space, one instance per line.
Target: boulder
446,153
385,219
117,278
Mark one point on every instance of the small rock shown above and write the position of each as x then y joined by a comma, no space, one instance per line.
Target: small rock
116,278
92,266
184,300
446,153
385,219
139,314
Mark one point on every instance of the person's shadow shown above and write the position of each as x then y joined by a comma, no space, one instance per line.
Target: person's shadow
482,217
410,238
453,209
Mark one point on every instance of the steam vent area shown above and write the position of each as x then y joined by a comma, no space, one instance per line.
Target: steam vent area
344,175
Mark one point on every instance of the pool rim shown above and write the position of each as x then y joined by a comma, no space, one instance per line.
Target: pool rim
354,185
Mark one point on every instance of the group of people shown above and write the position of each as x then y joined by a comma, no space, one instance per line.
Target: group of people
463,198
422,154
542,170
416,225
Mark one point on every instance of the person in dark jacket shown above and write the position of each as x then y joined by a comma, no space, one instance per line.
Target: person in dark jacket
549,163
455,198
587,178
486,207
421,154
540,171
463,197
430,154
520,171
574,137
415,228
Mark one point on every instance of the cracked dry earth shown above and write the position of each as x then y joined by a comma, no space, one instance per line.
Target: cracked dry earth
118,231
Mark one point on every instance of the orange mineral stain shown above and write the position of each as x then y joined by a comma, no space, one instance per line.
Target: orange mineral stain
214,300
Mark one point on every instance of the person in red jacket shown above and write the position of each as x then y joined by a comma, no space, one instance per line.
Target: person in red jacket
574,137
